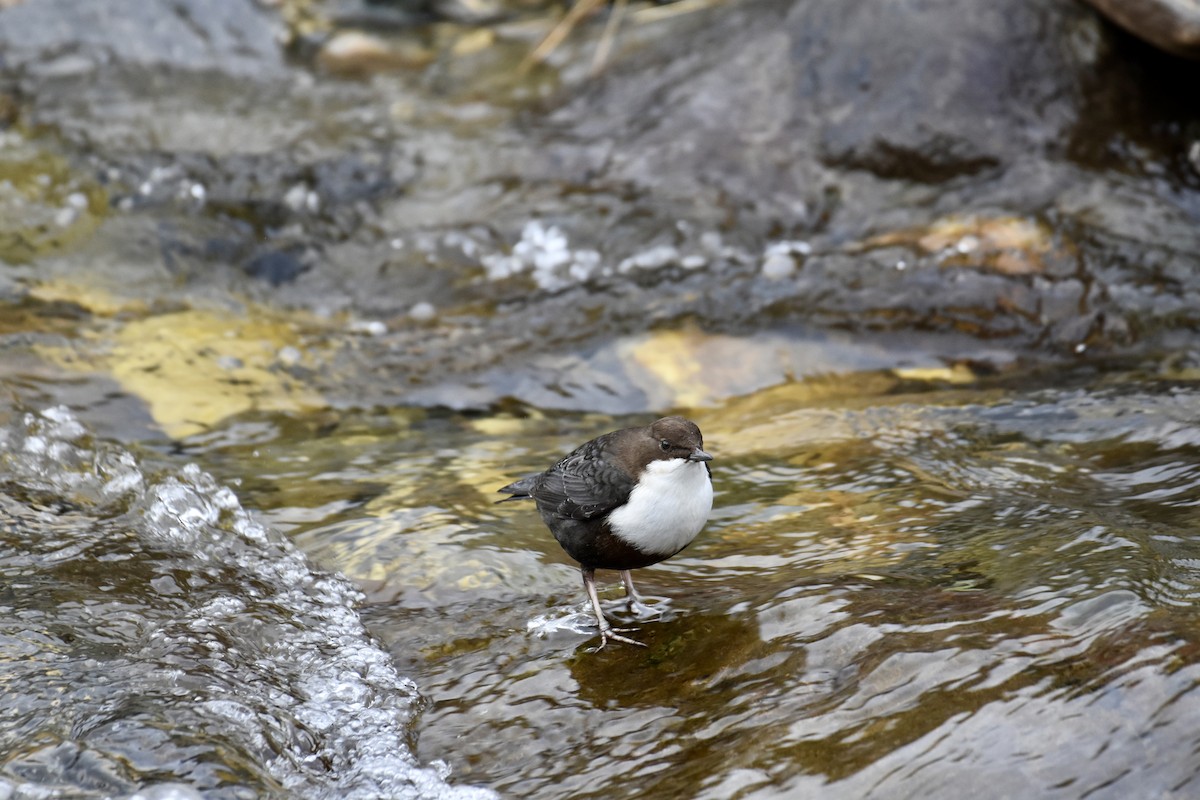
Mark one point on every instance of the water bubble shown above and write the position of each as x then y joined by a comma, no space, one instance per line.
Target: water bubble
288,356
167,791
544,252
967,244
788,247
712,241
778,266
226,626
423,311
296,198
371,327
654,258
568,620
65,426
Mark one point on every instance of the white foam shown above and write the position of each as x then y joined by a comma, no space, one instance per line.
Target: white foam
270,650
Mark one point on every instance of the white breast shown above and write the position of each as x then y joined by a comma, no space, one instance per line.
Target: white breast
666,509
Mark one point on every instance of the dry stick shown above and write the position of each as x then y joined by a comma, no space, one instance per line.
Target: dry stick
658,13
609,35
584,7
555,37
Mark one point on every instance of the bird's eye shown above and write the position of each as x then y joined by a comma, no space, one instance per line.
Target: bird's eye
664,444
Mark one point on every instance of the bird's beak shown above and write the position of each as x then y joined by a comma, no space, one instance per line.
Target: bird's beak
699,455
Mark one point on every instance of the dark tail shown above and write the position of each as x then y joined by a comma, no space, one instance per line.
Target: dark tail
520,490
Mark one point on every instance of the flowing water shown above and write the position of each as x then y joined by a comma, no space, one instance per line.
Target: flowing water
271,339
153,632
906,589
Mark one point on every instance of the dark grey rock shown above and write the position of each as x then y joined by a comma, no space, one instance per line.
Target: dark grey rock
277,267
928,91
61,37
836,120
763,103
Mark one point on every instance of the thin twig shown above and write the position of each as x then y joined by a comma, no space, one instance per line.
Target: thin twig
609,36
560,31
659,13
583,8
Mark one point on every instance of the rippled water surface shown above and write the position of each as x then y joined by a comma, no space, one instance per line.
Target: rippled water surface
154,634
905,590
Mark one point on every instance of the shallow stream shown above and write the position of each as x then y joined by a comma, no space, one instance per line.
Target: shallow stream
907,588
289,289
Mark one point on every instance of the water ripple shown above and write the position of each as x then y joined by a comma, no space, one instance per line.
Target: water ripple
191,642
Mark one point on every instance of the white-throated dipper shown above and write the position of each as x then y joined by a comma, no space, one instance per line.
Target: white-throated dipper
625,500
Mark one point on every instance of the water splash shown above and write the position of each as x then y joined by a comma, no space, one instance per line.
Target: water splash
153,627
562,620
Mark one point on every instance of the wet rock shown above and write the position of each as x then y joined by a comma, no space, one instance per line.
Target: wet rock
61,37
398,15
45,205
473,12
376,15
1173,25
920,94
277,267
1013,171
1010,246
848,123
195,369
927,93
358,53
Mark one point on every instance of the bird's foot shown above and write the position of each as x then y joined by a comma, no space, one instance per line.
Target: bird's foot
615,635
640,609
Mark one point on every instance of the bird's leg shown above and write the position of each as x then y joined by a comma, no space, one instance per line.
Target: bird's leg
606,631
636,606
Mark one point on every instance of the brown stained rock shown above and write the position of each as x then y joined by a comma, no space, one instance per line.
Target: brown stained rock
1006,245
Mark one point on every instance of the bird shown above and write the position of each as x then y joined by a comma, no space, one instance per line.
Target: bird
623,501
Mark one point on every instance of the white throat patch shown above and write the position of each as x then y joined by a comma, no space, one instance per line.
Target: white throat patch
667,508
